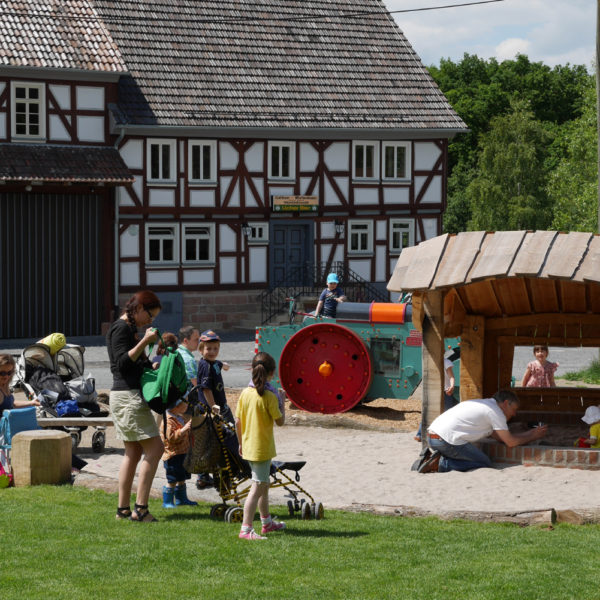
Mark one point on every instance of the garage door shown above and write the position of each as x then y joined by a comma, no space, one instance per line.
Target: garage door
50,260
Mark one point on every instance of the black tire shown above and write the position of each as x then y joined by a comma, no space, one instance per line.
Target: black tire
291,510
98,441
217,511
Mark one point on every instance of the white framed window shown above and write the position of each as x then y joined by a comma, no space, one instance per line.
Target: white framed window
202,161
395,164
259,232
360,237
162,243
282,160
365,160
28,101
161,161
402,234
198,243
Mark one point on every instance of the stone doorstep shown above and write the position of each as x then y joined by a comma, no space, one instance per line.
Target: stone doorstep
563,457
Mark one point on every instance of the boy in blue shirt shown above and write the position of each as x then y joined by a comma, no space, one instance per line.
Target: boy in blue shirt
330,297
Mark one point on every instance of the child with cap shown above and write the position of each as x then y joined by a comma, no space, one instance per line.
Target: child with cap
210,383
330,296
176,439
592,418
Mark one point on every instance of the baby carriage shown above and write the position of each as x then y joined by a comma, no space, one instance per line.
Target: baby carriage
56,378
215,449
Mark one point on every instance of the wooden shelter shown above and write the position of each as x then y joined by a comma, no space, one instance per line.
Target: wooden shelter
498,290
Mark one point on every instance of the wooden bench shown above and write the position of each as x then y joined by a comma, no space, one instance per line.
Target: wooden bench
564,405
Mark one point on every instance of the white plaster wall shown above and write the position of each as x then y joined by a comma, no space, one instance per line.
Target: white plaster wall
129,242
337,156
381,230
304,183
258,264
89,98
331,198
228,156
280,191
361,267
132,152
62,95
380,254
259,184
2,86
430,228
166,277
130,273
227,267
225,183
56,129
3,125
328,229
309,157
235,200
338,255
90,129
162,197
366,196
434,191
325,250
396,195
202,197
227,239
250,199
197,277
254,157
123,197
426,153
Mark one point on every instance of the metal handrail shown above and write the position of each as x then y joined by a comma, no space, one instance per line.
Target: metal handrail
309,279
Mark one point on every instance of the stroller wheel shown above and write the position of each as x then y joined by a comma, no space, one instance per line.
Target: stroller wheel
317,511
98,441
217,511
75,439
291,510
234,514
305,511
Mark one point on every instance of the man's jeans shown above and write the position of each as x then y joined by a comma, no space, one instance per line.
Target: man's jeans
459,458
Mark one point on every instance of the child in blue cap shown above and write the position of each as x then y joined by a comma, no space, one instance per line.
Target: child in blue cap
330,297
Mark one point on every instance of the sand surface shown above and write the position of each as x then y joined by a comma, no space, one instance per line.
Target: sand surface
369,468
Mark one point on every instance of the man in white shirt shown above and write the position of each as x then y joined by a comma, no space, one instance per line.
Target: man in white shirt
452,434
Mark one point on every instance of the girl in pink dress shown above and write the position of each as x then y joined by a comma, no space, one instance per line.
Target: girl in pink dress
540,372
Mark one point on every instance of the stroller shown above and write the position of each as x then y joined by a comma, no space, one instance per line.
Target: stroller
56,378
215,449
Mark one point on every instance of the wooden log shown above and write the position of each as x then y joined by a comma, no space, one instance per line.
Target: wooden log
471,358
41,456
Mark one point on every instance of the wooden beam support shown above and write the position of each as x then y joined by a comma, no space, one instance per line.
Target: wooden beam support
471,358
433,359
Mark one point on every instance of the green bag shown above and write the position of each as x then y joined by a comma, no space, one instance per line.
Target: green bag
162,387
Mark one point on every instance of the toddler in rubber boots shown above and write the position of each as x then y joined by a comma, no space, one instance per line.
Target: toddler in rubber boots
257,409
177,443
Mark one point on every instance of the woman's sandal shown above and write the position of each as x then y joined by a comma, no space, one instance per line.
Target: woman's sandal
123,512
141,514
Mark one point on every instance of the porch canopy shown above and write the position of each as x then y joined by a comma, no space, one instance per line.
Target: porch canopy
498,290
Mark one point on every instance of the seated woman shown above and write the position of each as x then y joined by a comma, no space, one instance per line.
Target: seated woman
7,400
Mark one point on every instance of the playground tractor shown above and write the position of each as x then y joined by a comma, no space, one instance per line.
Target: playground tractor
369,351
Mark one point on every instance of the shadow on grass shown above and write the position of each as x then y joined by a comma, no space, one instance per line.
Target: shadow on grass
190,516
323,533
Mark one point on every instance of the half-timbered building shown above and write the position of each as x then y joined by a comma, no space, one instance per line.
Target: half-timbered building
206,150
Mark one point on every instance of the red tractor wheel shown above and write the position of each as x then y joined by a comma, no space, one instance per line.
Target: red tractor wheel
325,368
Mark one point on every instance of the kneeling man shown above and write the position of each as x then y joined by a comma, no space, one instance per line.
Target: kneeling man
453,433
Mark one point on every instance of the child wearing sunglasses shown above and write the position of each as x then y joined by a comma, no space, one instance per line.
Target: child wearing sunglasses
7,400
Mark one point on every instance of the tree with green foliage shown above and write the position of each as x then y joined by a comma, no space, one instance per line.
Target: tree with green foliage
508,191
573,184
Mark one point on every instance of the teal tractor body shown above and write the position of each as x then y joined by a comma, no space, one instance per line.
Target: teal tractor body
368,351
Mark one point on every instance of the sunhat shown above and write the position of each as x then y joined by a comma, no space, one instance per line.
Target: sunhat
209,336
592,415
332,278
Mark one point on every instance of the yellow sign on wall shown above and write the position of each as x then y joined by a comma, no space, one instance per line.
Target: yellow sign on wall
295,203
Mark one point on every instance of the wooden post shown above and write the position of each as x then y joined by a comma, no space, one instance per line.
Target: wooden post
471,358
433,360
505,364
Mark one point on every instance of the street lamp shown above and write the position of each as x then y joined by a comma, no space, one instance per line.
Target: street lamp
339,227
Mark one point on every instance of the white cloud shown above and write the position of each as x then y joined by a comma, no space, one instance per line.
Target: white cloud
552,31
508,49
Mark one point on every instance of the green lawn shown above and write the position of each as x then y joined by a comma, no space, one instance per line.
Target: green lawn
590,374
64,542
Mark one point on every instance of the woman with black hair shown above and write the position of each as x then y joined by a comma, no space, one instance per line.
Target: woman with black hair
133,420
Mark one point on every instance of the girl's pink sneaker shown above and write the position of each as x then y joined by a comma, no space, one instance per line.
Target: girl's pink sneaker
251,535
272,526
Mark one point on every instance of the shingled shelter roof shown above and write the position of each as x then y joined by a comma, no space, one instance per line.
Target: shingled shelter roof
259,63
60,35
507,273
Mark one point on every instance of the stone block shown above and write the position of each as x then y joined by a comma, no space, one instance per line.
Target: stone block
41,456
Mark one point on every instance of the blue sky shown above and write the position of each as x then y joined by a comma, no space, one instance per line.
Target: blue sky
551,31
